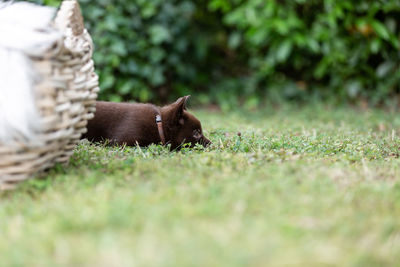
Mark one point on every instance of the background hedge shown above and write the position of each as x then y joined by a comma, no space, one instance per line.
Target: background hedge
234,52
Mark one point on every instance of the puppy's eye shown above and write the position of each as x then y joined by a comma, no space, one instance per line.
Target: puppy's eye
197,134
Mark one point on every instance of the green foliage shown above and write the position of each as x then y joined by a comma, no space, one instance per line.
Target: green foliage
142,47
350,48
144,50
236,51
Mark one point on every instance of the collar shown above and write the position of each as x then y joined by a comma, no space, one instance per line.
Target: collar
160,128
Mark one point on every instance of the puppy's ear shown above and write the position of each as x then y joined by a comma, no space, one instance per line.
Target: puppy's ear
182,102
179,107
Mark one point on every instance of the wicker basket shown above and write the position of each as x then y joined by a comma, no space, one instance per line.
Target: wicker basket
66,98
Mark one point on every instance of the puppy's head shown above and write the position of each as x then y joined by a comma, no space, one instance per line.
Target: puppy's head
183,127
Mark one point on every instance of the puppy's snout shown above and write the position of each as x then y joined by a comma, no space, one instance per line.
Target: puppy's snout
205,142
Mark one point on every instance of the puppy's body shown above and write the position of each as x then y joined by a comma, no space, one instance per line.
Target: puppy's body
131,124
124,123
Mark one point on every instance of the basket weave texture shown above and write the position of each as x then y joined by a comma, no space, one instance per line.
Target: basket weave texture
66,96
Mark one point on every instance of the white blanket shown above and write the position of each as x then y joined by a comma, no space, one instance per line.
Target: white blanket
24,31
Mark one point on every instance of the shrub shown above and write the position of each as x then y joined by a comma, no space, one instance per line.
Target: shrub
241,51
345,48
145,50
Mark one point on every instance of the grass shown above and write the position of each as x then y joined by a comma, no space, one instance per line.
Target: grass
312,186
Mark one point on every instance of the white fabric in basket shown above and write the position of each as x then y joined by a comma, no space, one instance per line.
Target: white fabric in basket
25,31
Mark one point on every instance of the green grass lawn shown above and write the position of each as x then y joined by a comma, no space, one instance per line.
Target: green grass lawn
301,186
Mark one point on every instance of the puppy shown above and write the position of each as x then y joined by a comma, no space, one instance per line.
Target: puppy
145,124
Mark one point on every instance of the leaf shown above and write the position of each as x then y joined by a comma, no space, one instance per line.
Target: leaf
222,5
106,81
385,68
156,55
321,69
375,45
159,34
126,88
157,78
118,48
313,45
281,26
144,95
391,25
380,29
234,40
132,67
284,51
353,88
251,16
115,98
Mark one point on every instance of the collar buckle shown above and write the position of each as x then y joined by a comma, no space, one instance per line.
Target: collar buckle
160,128
158,119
